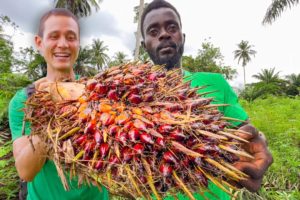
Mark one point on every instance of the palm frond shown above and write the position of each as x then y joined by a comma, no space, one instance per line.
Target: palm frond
276,8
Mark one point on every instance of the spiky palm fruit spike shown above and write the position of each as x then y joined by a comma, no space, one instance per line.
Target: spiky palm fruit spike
141,130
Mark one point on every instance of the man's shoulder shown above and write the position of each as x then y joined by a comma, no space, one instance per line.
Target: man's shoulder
206,78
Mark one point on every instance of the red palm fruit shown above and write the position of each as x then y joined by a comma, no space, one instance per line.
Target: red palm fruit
143,179
133,135
174,107
146,138
99,165
91,84
90,128
165,128
101,89
186,162
177,135
98,137
135,89
139,125
126,154
160,142
123,118
113,159
121,137
182,94
153,76
148,97
81,140
137,72
94,96
135,98
128,126
113,129
165,169
106,119
169,157
103,149
138,148
112,95
89,146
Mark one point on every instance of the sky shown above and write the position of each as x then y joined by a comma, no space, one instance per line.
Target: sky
223,23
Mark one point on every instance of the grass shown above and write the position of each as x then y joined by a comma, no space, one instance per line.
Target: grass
278,118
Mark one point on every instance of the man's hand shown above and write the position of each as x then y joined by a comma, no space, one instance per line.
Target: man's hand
255,168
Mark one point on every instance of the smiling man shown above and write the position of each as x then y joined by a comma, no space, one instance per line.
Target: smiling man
58,42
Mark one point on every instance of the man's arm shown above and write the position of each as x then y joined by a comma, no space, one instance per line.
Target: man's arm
29,152
29,156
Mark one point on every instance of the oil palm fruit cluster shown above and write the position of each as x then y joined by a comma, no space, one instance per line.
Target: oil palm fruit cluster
140,131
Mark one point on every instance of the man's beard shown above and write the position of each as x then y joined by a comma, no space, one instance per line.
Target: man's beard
169,61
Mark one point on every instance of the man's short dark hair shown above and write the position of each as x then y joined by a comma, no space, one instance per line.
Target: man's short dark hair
156,4
55,12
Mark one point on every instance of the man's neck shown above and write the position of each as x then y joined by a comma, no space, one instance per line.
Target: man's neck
56,75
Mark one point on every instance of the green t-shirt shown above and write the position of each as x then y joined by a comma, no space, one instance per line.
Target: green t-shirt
224,95
47,184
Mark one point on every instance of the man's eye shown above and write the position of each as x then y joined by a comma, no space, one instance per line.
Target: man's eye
172,28
71,37
53,37
153,32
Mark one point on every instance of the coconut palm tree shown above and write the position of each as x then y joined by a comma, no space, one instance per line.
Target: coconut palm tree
276,8
80,8
244,53
98,55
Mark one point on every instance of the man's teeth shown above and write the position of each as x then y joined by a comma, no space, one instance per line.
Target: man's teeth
61,54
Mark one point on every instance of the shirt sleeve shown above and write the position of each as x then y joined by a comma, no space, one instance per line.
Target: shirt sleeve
234,110
16,115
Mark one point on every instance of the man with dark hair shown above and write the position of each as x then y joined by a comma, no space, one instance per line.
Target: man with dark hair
58,42
164,41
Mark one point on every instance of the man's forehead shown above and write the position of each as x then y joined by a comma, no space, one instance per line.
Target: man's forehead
59,22
160,15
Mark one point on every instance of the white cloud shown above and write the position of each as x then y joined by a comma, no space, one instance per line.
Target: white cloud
225,22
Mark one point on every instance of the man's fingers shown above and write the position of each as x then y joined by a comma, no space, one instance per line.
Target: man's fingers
250,169
250,184
249,129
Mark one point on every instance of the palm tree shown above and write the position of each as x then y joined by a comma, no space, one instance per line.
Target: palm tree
244,53
80,8
118,59
294,79
138,32
268,76
98,55
276,8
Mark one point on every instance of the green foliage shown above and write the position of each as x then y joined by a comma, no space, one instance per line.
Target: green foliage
31,63
118,59
278,119
9,178
6,50
293,85
10,83
98,54
208,59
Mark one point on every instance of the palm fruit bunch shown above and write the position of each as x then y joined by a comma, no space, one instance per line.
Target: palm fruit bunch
138,130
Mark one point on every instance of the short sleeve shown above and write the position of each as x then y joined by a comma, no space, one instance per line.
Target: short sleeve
222,93
16,115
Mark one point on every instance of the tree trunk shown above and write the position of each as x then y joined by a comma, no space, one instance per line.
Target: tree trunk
244,76
138,32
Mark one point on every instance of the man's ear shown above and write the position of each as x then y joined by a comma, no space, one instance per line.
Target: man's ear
38,43
183,38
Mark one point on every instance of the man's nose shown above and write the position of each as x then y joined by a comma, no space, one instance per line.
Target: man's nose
62,42
164,34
